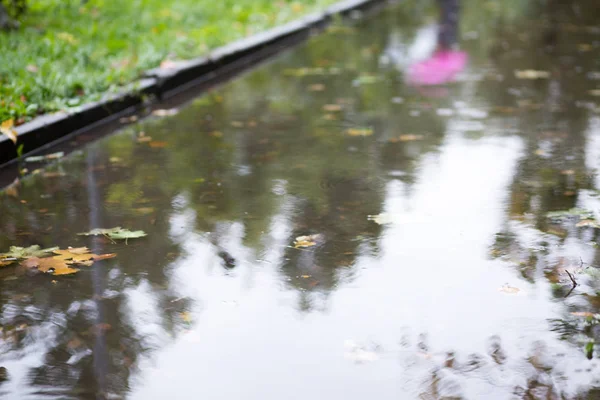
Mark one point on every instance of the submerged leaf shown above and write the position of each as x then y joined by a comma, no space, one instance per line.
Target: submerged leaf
6,128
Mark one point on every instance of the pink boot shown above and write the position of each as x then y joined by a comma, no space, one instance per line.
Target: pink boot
441,68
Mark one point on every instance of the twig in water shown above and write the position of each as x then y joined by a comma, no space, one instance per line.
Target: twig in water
573,281
571,277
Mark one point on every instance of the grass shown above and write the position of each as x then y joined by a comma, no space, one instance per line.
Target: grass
68,52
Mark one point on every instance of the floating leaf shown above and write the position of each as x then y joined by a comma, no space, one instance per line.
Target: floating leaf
4,263
186,317
155,144
532,74
584,314
306,241
316,87
509,289
165,113
359,132
80,255
127,234
117,233
6,128
365,80
382,219
587,223
332,107
46,157
52,265
26,252
560,216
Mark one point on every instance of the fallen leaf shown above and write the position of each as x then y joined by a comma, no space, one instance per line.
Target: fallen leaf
305,276
26,252
80,255
186,317
168,64
126,234
144,139
594,92
306,241
532,74
332,107
52,265
359,132
587,223
237,124
567,172
126,120
410,138
115,233
6,128
382,219
155,144
317,87
144,210
45,157
583,314
165,112
509,289
4,263
365,80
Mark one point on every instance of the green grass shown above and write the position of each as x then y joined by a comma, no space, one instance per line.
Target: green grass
68,52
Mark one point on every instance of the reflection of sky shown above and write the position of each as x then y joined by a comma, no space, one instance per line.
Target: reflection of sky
433,276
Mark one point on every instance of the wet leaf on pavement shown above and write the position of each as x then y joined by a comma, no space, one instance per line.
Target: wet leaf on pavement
6,128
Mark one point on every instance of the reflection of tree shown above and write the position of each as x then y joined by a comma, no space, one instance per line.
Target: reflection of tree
553,175
237,156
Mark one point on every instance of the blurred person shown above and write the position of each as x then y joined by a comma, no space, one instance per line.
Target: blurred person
446,61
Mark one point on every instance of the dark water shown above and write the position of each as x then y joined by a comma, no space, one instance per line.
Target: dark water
459,292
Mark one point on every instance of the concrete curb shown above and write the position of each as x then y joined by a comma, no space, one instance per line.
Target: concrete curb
158,84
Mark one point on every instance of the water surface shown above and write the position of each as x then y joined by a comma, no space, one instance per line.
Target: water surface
436,272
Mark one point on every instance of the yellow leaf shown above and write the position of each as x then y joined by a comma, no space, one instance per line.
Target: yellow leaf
4,263
52,265
582,314
359,132
410,137
6,128
332,107
509,289
532,74
306,241
186,317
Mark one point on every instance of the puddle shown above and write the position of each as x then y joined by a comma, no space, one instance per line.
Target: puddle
320,228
